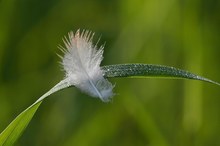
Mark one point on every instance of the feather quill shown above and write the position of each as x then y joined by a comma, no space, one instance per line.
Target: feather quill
81,62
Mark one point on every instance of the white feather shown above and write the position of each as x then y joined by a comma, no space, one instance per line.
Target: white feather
81,63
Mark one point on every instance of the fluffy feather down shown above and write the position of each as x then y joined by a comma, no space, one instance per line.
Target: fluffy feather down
81,63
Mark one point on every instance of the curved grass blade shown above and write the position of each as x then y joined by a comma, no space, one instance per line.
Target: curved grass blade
150,70
14,130
9,136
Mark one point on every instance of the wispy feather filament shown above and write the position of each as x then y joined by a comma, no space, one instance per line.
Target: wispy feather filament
81,62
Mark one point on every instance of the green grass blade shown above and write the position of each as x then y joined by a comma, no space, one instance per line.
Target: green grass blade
150,70
14,130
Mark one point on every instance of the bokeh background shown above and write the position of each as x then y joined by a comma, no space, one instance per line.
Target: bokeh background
154,112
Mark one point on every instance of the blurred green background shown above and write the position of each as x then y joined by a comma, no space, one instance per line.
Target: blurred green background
153,112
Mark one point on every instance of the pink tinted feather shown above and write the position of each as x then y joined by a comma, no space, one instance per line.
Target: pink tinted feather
81,62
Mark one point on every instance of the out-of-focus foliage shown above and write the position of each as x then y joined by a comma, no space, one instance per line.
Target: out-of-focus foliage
184,34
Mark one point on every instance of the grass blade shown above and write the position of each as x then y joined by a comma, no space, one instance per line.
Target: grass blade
15,129
9,136
150,70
